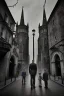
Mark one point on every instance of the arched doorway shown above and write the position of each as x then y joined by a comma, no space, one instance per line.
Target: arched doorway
11,67
57,65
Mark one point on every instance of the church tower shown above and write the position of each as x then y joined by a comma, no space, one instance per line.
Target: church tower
22,37
43,54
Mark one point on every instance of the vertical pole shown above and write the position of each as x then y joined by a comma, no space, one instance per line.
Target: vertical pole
33,42
33,47
22,52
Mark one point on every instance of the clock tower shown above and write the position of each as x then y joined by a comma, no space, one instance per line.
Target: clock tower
22,38
43,54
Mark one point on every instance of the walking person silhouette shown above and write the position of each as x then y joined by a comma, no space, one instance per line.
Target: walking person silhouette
45,78
23,77
32,71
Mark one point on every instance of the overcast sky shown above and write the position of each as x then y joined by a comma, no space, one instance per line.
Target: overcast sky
33,14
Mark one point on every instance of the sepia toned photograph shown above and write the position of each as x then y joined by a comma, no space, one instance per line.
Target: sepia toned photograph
31,47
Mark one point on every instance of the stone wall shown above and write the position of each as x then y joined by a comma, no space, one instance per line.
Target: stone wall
56,36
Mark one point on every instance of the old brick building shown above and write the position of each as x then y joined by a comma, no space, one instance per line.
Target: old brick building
22,39
43,49
56,39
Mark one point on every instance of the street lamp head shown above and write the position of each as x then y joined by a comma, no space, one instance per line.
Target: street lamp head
33,32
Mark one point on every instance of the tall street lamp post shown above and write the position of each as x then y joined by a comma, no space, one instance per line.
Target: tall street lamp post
33,43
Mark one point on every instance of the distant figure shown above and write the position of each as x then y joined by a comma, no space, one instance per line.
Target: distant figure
23,77
45,78
32,71
40,80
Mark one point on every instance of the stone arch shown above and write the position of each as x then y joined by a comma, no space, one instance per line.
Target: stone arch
11,66
56,63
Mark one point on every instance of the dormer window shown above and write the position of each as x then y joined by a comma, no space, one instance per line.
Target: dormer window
2,31
6,18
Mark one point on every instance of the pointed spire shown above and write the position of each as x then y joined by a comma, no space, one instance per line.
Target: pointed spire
44,15
27,25
44,18
22,17
17,24
39,25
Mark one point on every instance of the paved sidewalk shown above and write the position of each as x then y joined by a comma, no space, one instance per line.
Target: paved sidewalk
17,89
2,84
57,80
8,82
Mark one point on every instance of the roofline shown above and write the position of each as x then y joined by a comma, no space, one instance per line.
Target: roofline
9,10
54,9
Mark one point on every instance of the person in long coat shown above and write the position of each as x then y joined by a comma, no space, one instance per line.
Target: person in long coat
32,71
45,78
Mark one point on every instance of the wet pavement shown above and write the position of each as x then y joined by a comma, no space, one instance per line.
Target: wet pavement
17,89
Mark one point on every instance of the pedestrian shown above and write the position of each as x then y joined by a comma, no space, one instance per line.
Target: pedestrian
40,80
23,77
45,78
32,71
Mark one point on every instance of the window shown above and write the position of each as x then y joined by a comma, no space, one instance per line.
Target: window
6,36
11,25
45,41
10,40
2,29
6,18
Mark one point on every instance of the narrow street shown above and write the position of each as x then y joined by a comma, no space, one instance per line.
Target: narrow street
16,89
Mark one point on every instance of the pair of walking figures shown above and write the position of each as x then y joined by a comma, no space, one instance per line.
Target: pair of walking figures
33,71
44,78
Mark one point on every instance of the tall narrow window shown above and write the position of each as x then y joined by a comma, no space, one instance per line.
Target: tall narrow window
6,36
6,18
2,29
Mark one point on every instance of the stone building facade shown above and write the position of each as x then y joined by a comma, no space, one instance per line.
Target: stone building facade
15,54
22,38
7,57
56,39
43,48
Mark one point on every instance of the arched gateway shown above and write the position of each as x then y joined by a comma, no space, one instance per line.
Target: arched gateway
11,66
56,64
